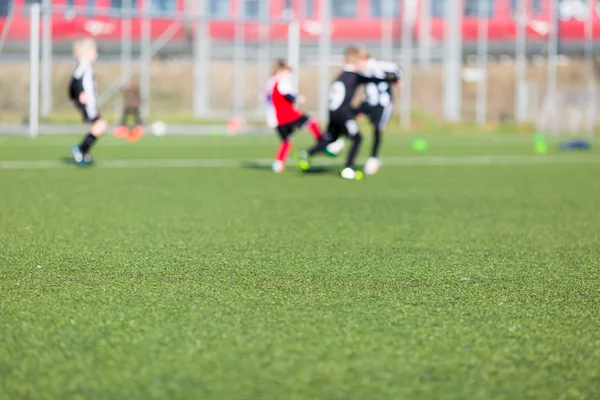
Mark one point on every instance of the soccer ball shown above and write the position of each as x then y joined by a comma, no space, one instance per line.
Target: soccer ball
334,149
158,128
372,166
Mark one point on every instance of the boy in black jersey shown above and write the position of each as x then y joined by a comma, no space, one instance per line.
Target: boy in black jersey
377,106
82,91
341,114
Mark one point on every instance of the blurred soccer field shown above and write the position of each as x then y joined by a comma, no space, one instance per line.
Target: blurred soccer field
181,267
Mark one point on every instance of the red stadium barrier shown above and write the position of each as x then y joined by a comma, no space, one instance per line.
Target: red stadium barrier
362,27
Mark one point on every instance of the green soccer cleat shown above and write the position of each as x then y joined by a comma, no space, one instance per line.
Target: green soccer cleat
303,160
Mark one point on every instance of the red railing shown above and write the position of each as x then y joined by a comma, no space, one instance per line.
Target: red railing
360,28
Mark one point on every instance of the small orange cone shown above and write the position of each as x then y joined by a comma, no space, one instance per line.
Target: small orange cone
235,125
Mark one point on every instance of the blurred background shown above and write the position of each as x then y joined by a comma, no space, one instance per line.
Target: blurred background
493,64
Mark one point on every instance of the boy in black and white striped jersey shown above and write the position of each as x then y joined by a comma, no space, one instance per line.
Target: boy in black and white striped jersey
341,113
82,91
377,106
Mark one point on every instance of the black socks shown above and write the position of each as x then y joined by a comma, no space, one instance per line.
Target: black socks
376,142
87,142
319,147
356,140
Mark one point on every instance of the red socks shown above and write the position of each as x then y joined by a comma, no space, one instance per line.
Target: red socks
313,127
284,150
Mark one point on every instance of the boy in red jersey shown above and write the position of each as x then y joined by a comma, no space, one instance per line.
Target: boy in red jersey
282,114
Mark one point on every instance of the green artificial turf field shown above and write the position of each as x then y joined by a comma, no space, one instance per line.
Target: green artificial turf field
181,267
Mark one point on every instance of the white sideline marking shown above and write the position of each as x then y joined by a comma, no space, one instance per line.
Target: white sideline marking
389,161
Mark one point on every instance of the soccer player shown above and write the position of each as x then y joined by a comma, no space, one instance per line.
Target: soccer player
341,113
377,106
132,102
282,113
82,91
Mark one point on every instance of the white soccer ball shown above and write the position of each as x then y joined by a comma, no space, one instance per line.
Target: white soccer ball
334,149
158,128
372,166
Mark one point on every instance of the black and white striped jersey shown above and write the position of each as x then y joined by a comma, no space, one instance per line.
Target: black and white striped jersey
343,89
379,94
83,81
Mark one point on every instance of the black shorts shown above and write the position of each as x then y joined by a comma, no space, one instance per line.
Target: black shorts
286,130
84,113
341,124
378,115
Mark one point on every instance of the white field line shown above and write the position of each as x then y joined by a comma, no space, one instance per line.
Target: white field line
390,161
266,140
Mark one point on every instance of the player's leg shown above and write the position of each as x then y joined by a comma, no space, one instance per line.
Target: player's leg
138,116
283,151
353,133
97,129
380,121
311,124
122,130
138,130
332,134
335,148
379,118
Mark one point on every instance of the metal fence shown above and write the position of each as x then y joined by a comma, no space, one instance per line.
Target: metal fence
194,67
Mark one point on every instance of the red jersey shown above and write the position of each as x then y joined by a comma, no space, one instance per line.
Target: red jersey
280,109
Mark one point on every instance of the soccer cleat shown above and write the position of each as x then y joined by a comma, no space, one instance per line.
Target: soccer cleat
121,132
77,155
350,174
87,159
334,149
278,166
135,134
303,160
372,166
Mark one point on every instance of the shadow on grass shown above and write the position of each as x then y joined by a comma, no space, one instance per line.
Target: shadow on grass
312,171
71,162
68,161
256,165
322,170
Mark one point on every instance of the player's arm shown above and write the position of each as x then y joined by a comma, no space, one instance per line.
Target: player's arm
287,90
392,71
364,79
388,67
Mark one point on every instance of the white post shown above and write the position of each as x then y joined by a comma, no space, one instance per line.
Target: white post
589,69
34,70
482,61
387,34
201,61
520,64
425,34
145,60
294,49
239,56
126,41
324,59
263,53
552,52
453,62
46,60
406,91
